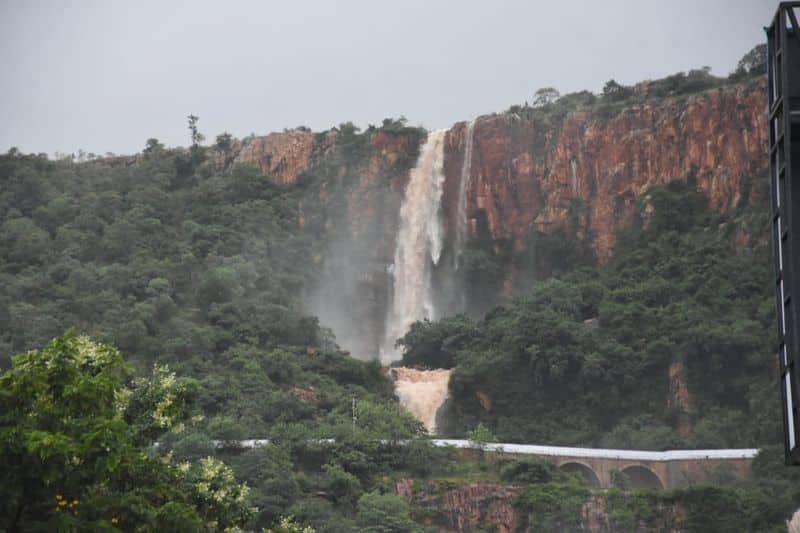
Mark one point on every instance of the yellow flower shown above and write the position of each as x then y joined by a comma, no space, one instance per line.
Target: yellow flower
114,520
59,497
62,503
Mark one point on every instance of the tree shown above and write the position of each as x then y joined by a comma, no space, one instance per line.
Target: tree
394,125
528,470
267,470
23,240
152,147
197,137
753,63
544,96
218,285
344,487
287,524
480,437
435,344
384,513
615,92
224,142
348,129
214,491
72,453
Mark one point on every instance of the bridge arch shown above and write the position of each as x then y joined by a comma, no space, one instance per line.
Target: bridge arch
584,471
641,477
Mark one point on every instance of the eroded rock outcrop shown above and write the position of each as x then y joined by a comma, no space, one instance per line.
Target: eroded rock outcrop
282,155
473,507
469,507
679,399
449,507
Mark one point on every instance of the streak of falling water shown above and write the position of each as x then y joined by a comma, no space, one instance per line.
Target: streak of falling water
463,185
419,245
422,392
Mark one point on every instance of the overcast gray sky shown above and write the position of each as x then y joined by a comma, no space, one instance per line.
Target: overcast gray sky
106,75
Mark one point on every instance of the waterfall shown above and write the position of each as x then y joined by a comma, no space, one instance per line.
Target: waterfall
419,245
422,392
461,213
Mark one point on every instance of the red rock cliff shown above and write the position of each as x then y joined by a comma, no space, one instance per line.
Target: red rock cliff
282,156
531,171
462,508
527,173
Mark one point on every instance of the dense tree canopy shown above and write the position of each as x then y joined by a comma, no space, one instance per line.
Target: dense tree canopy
180,262
195,267
73,448
585,358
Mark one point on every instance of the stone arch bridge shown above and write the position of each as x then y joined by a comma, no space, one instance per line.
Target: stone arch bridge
643,469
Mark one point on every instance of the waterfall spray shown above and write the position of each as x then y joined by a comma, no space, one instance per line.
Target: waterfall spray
461,213
419,245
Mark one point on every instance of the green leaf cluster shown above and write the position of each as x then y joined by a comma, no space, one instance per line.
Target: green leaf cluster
74,448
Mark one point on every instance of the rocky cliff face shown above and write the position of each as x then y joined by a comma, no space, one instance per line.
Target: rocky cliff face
282,156
529,174
533,172
353,201
473,507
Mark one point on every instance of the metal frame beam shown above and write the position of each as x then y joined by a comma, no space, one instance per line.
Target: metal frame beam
783,66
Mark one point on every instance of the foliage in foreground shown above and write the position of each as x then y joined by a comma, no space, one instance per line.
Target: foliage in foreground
180,262
73,448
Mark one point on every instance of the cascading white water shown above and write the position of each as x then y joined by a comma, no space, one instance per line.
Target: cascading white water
419,245
463,185
422,392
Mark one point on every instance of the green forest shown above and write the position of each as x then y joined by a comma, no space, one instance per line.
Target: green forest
194,275
584,358
152,316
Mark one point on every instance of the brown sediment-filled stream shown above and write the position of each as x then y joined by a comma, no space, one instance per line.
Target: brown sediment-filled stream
422,392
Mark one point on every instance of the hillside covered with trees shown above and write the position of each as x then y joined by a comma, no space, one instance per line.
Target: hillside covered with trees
585,358
154,310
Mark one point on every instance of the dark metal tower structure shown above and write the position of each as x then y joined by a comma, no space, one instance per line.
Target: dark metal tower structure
783,65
